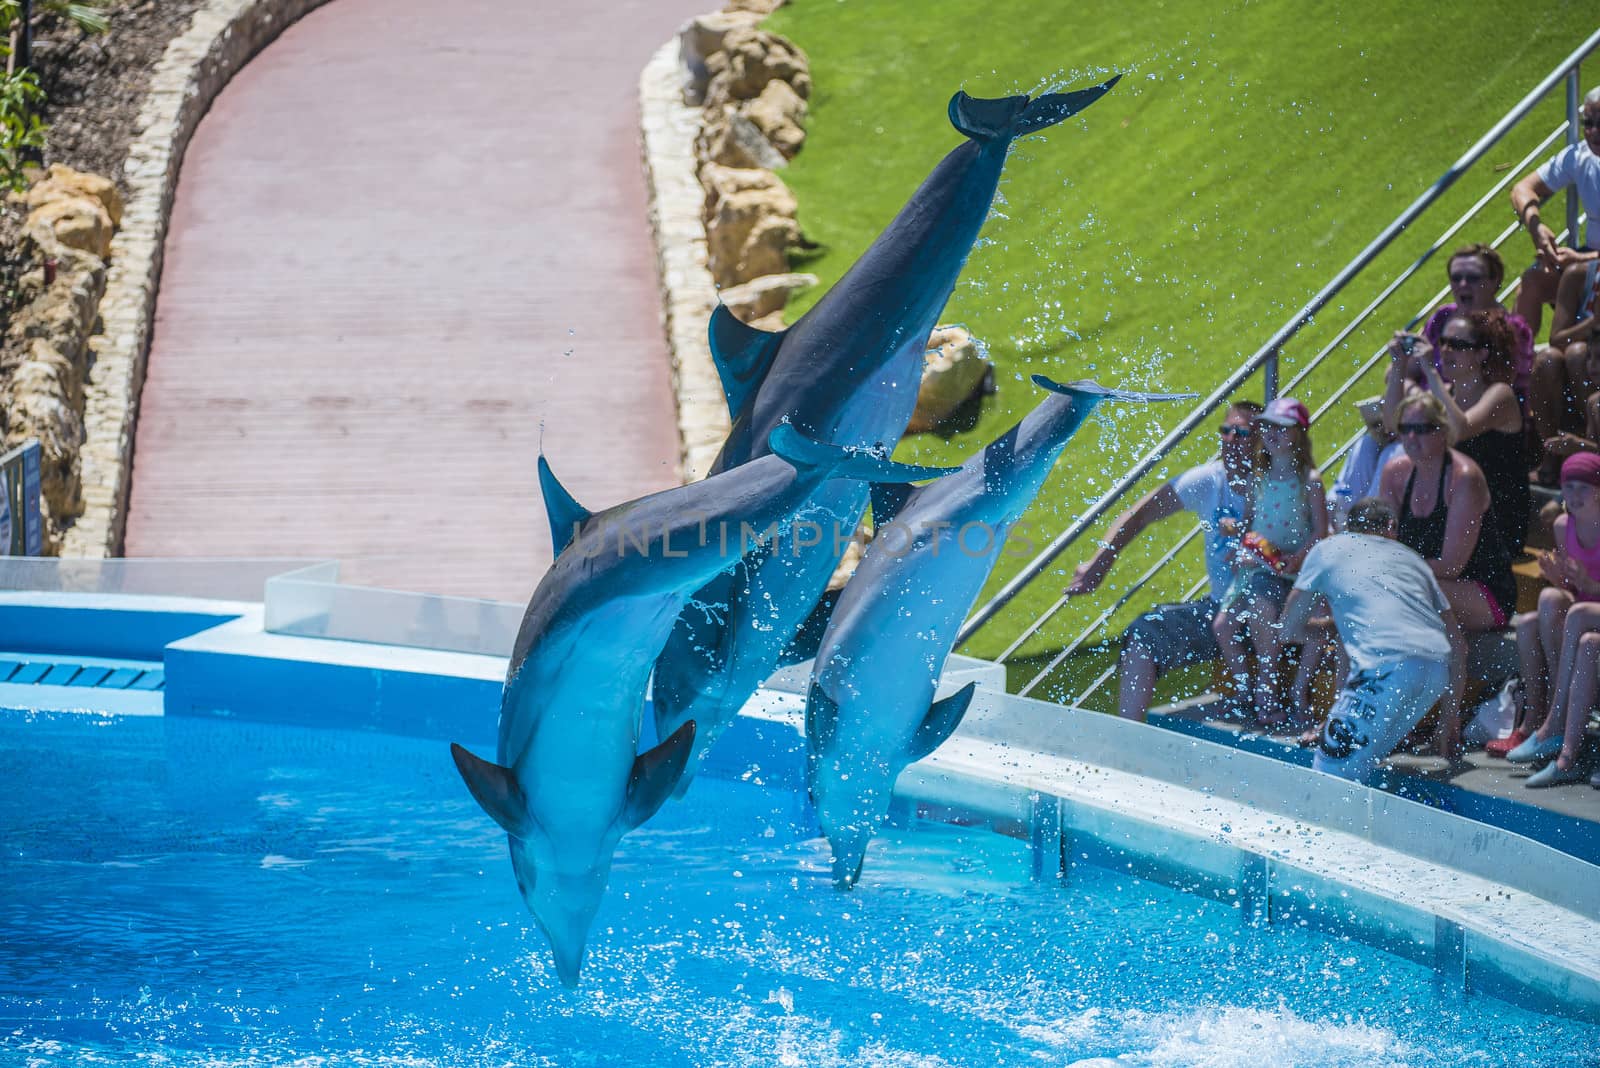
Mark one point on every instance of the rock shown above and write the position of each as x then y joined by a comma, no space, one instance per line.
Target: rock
64,183
44,403
731,140
764,296
750,58
772,323
852,556
750,224
780,114
954,370
77,222
701,38
762,8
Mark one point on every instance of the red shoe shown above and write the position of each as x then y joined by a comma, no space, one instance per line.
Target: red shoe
1499,747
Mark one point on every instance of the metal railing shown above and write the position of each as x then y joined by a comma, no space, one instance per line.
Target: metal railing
1266,358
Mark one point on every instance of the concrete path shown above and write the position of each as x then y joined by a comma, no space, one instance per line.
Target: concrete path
406,236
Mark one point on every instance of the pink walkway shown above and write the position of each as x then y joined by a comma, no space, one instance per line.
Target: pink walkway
406,236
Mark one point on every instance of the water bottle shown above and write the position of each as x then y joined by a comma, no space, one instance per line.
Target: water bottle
1343,498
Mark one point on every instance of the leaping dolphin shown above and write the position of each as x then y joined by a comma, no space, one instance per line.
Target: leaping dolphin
870,710
569,780
847,372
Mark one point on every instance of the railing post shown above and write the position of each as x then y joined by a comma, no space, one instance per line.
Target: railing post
1574,94
24,55
1269,377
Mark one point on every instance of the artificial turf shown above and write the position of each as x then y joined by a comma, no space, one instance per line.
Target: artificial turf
1250,150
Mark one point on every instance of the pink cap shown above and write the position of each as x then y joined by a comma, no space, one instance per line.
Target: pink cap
1286,411
1581,467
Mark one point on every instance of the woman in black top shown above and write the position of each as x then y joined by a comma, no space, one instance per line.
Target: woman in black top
1472,380
1443,502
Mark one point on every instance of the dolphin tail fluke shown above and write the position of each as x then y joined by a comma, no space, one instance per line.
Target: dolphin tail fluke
941,722
1014,116
743,355
843,461
566,515
1087,388
655,773
496,789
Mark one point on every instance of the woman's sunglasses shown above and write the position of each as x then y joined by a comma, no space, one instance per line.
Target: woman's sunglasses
1420,429
1456,344
1229,432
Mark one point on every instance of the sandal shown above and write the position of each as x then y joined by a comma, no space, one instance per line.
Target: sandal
1499,747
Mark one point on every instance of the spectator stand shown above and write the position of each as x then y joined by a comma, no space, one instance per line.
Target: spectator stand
1476,788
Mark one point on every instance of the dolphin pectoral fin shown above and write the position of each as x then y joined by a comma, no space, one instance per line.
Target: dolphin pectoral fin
843,461
941,722
655,773
743,355
496,789
888,498
1014,116
1086,388
566,515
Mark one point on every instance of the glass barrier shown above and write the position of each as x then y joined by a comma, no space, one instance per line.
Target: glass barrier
311,603
218,579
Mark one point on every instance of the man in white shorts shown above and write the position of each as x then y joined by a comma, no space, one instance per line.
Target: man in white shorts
1403,642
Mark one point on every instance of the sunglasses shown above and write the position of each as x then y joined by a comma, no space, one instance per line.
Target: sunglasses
1420,429
1456,344
1467,279
1228,433
1589,122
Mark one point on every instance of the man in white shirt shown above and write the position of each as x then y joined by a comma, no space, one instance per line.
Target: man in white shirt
1403,641
1171,635
1577,166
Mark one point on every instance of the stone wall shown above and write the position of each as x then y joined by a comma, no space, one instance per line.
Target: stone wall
223,37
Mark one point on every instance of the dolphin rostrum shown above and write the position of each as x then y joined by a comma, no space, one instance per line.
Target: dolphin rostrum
870,708
847,372
569,780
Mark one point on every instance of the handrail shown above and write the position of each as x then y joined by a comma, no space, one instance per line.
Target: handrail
1266,356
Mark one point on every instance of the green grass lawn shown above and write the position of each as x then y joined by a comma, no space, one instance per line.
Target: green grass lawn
1157,240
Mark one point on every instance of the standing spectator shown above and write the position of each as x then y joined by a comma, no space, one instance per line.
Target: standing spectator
1470,376
1573,571
1171,635
1577,166
1397,627
1286,512
1476,273
1578,662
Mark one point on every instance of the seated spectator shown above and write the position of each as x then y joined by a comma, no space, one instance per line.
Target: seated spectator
1476,273
1358,477
1470,375
1564,640
1577,166
1171,635
1285,513
1398,630
1565,402
1442,500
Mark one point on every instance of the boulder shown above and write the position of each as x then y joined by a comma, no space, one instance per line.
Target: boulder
700,39
750,58
44,402
721,181
780,114
77,222
729,139
764,296
762,8
750,226
852,556
64,183
955,369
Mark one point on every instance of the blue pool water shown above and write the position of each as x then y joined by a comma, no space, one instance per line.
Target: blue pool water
194,892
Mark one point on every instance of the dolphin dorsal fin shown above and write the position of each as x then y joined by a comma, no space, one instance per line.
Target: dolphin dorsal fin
941,722
566,515
743,355
888,499
655,773
496,789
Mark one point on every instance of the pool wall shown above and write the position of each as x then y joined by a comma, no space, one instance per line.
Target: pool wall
1490,910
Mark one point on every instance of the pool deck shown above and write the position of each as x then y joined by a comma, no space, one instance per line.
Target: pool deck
409,248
